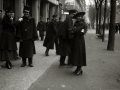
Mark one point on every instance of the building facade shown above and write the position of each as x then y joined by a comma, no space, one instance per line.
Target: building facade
44,8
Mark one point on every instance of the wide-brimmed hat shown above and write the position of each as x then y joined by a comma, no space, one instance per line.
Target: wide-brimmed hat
26,8
72,11
79,14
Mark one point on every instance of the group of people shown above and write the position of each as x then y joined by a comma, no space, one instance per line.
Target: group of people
69,40
23,30
67,36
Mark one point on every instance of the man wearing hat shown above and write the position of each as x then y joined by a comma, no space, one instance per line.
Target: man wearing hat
78,51
27,34
41,27
65,38
50,35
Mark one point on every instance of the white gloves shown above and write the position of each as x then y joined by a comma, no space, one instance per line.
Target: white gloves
20,19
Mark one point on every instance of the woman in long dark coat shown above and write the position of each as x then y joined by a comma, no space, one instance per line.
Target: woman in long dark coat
78,51
8,45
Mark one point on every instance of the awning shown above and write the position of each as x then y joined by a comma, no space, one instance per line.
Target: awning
54,2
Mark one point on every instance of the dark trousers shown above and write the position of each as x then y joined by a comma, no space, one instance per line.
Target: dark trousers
29,61
62,59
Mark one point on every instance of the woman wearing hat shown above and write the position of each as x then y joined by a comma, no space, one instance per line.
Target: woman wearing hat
8,45
78,51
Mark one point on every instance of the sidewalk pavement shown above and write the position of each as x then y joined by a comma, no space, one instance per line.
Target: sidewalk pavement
101,73
21,78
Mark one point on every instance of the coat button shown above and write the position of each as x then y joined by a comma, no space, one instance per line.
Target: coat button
25,29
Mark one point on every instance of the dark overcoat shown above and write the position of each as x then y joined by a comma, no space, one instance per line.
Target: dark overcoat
27,34
78,51
8,45
1,25
64,47
41,27
59,25
50,35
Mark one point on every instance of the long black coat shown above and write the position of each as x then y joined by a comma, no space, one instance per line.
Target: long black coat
7,40
50,35
78,51
41,27
27,33
64,47
8,45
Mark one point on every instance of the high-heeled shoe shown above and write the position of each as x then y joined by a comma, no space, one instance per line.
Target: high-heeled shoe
80,72
8,65
11,64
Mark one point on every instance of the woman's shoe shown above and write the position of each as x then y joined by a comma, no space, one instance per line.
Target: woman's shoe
79,72
8,65
11,64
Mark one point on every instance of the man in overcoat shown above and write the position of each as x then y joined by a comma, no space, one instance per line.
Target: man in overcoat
50,35
41,27
27,33
64,47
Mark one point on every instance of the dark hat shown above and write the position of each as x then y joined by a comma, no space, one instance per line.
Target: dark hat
72,11
8,10
26,8
79,14
54,16
0,10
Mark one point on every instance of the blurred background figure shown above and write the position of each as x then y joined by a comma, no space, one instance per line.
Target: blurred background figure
41,27
50,35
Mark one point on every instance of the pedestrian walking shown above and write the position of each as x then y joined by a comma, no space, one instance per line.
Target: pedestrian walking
41,27
117,28
78,51
64,47
8,45
27,34
50,35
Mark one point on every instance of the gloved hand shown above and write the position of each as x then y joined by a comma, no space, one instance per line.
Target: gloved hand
20,19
